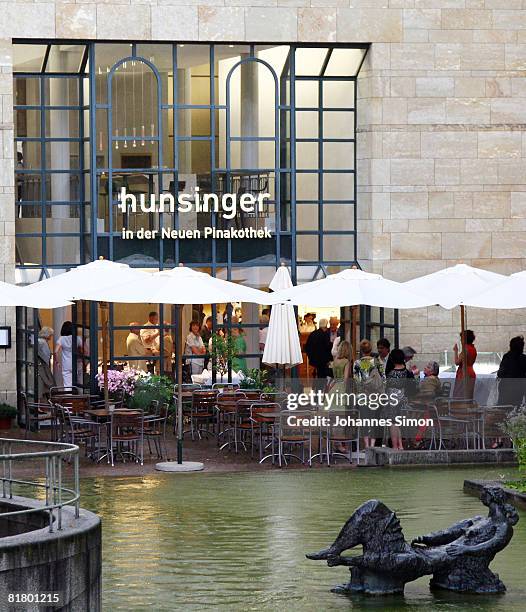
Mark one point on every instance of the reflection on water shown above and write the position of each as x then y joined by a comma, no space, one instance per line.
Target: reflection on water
238,541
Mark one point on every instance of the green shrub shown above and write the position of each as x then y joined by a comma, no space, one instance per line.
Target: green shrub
147,390
515,427
7,411
222,351
254,378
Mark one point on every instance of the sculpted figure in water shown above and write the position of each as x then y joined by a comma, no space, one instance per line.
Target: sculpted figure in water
457,557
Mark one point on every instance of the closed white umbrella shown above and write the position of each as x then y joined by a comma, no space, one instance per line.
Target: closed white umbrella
350,287
179,286
510,292
282,346
455,286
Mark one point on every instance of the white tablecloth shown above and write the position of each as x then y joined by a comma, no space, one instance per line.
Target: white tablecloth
206,378
483,385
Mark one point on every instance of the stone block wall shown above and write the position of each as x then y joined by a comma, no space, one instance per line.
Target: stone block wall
442,115
442,155
7,216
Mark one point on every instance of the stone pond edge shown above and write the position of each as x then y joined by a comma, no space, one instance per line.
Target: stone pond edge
474,487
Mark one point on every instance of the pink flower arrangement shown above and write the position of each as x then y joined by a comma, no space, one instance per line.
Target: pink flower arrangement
121,381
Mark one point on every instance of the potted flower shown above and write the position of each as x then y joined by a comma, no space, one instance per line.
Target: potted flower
149,389
121,383
7,414
222,352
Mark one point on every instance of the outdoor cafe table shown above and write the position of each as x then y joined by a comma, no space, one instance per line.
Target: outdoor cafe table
103,415
276,415
76,403
305,413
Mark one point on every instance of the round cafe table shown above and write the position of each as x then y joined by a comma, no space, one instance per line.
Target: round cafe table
103,416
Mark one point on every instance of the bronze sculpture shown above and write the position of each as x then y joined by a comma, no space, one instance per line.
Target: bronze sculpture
457,557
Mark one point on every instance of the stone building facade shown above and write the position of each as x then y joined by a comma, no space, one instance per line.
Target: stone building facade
441,143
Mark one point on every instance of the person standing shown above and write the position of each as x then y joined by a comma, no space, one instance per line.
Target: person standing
240,346
318,348
45,375
409,353
195,346
512,374
206,335
464,389
309,323
335,334
397,381
149,335
206,330
263,332
64,354
341,369
168,347
369,378
383,346
334,322
135,348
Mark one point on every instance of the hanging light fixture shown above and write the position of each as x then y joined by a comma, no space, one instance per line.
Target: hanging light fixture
116,98
124,98
152,126
98,94
134,129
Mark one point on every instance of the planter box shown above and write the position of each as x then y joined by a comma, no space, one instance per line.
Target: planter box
5,423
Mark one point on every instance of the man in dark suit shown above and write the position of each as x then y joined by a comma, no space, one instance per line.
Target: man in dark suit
318,349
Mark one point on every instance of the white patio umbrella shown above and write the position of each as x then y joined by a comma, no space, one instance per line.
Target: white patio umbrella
349,287
13,295
78,284
179,286
282,346
9,294
510,292
454,286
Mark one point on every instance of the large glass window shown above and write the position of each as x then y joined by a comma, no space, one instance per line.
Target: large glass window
51,139
91,118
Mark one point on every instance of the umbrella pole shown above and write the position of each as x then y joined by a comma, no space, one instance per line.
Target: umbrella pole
464,349
180,352
104,307
353,333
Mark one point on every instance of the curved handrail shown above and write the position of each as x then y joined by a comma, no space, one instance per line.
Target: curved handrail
57,495
65,449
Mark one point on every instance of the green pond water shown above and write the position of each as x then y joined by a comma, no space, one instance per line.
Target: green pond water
238,541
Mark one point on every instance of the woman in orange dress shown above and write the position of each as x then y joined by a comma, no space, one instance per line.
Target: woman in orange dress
465,390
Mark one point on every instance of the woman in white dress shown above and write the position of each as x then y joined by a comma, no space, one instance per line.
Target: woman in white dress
195,346
64,355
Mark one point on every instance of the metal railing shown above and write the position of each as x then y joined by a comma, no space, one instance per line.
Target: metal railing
56,494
